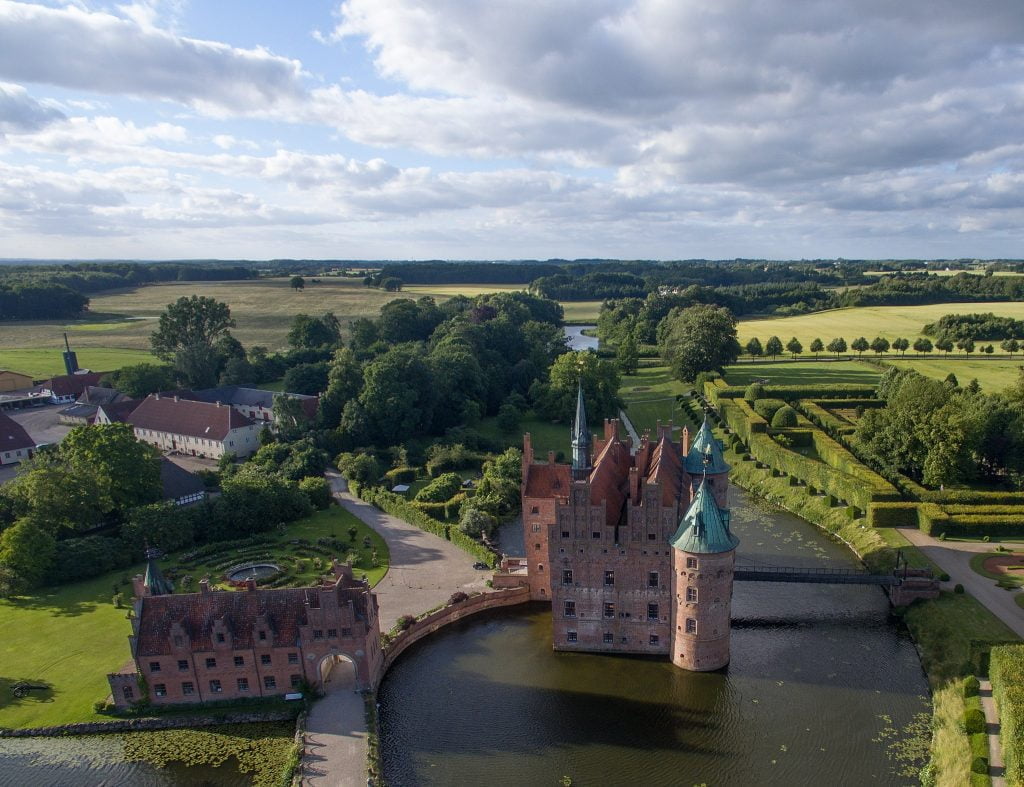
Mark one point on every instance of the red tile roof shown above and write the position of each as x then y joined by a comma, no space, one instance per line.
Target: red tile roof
609,480
185,417
72,384
13,435
544,481
118,412
284,609
667,470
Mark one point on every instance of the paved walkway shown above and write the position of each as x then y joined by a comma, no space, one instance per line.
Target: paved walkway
954,557
996,767
424,572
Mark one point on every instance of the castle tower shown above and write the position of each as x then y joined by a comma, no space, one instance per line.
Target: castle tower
705,460
580,440
703,561
155,582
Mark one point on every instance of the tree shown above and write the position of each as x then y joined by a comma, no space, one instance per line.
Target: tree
837,346
988,349
967,345
600,381
794,346
816,347
627,354
773,347
754,348
306,378
140,380
344,381
441,489
190,322
785,417
1011,346
476,523
307,331
880,345
128,470
509,418
697,339
361,468
238,371
397,400
946,345
317,490
391,284
900,345
297,283
162,525
26,552
922,345
859,345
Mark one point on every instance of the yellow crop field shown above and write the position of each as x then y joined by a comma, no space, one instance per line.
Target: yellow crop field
890,322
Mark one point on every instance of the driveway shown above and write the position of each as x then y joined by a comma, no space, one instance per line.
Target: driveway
336,737
41,423
954,557
424,570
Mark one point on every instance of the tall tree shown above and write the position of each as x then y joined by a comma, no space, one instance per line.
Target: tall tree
773,347
900,345
186,334
794,346
127,468
754,348
860,345
837,346
697,339
627,354
880,345
816,347
600,381
922,345
344,381
297,283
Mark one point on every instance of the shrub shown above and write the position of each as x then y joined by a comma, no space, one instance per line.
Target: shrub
405,622
442,488
974,721
766,408
972,686
754,392
359,467
957,588
979,765
943,577
785,417
317,490
442,458
457,597
400,475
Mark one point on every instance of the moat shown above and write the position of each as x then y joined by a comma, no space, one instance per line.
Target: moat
820,682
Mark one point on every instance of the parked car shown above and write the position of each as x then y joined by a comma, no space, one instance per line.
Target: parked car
481,566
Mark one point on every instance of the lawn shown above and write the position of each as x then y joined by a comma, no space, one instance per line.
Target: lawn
978,567
993,374
890,322
42,363
650,396
71,636
581,312
545,436
808,371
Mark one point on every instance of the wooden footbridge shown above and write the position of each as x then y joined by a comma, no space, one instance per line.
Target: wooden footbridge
816,575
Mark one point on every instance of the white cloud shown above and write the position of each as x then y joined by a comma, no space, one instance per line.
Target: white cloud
19,112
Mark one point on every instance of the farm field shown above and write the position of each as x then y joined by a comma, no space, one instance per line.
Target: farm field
71,636
890,322
46,362
451,290
578,312
992,375
808,371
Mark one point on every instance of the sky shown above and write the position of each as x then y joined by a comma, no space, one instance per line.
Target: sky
453,129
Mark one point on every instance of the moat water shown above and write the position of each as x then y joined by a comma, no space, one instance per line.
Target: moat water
821,685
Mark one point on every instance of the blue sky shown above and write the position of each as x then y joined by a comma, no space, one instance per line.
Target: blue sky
452,129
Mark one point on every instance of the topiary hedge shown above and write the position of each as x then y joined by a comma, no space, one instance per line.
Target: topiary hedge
784,418
400,475
844,391
766,408
893,514
1006,670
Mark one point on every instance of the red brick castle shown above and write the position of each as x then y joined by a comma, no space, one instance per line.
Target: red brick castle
631,544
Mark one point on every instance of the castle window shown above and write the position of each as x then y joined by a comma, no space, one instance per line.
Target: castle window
536,528
691,626
536,546
607,638
609,609
295,680
211,663
243,684
160,689
652,579
570,636
534,510
318,633
654,639
691,595
691,562
182,665
293,658
239,661
154,666
263,635
188,688
332,633
540,568
609,578
567,576
565,534
651,536
220,637
570,609
346,632
128,693
215,687
269,682
596,534
652,611
265,659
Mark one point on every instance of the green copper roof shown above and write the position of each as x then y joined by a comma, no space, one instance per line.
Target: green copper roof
705,453
580,438
703,529
155,581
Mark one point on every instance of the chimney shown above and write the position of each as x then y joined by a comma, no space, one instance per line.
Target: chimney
139,586
204,585
684,441
176,397
250,584
551,457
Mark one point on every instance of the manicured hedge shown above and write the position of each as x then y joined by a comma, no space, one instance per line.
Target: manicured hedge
475,548
931,519
742,419
1006,670
985,525
766,408
848,404
835,455
400,475
893,514
821,417
844,391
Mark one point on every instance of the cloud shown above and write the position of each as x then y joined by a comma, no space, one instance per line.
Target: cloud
99,52
19,112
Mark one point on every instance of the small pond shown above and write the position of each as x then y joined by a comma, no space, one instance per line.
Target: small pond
255,571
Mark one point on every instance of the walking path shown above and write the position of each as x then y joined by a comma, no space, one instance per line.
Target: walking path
996,767
954,557
630,429
424,570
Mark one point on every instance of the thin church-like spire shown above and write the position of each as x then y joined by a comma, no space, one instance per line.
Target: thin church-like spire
580,439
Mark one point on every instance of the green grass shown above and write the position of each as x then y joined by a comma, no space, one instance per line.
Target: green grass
993,374
978,567
650,396
41,363
944,628
546,436
890,322
805,371
70,637
915,557
577,312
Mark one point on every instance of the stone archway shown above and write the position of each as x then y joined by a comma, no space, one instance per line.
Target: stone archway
337,672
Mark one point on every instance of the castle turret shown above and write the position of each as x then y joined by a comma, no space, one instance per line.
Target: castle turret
155,583
580,440
703,561
705,460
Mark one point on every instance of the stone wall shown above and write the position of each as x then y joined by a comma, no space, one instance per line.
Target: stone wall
449,614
